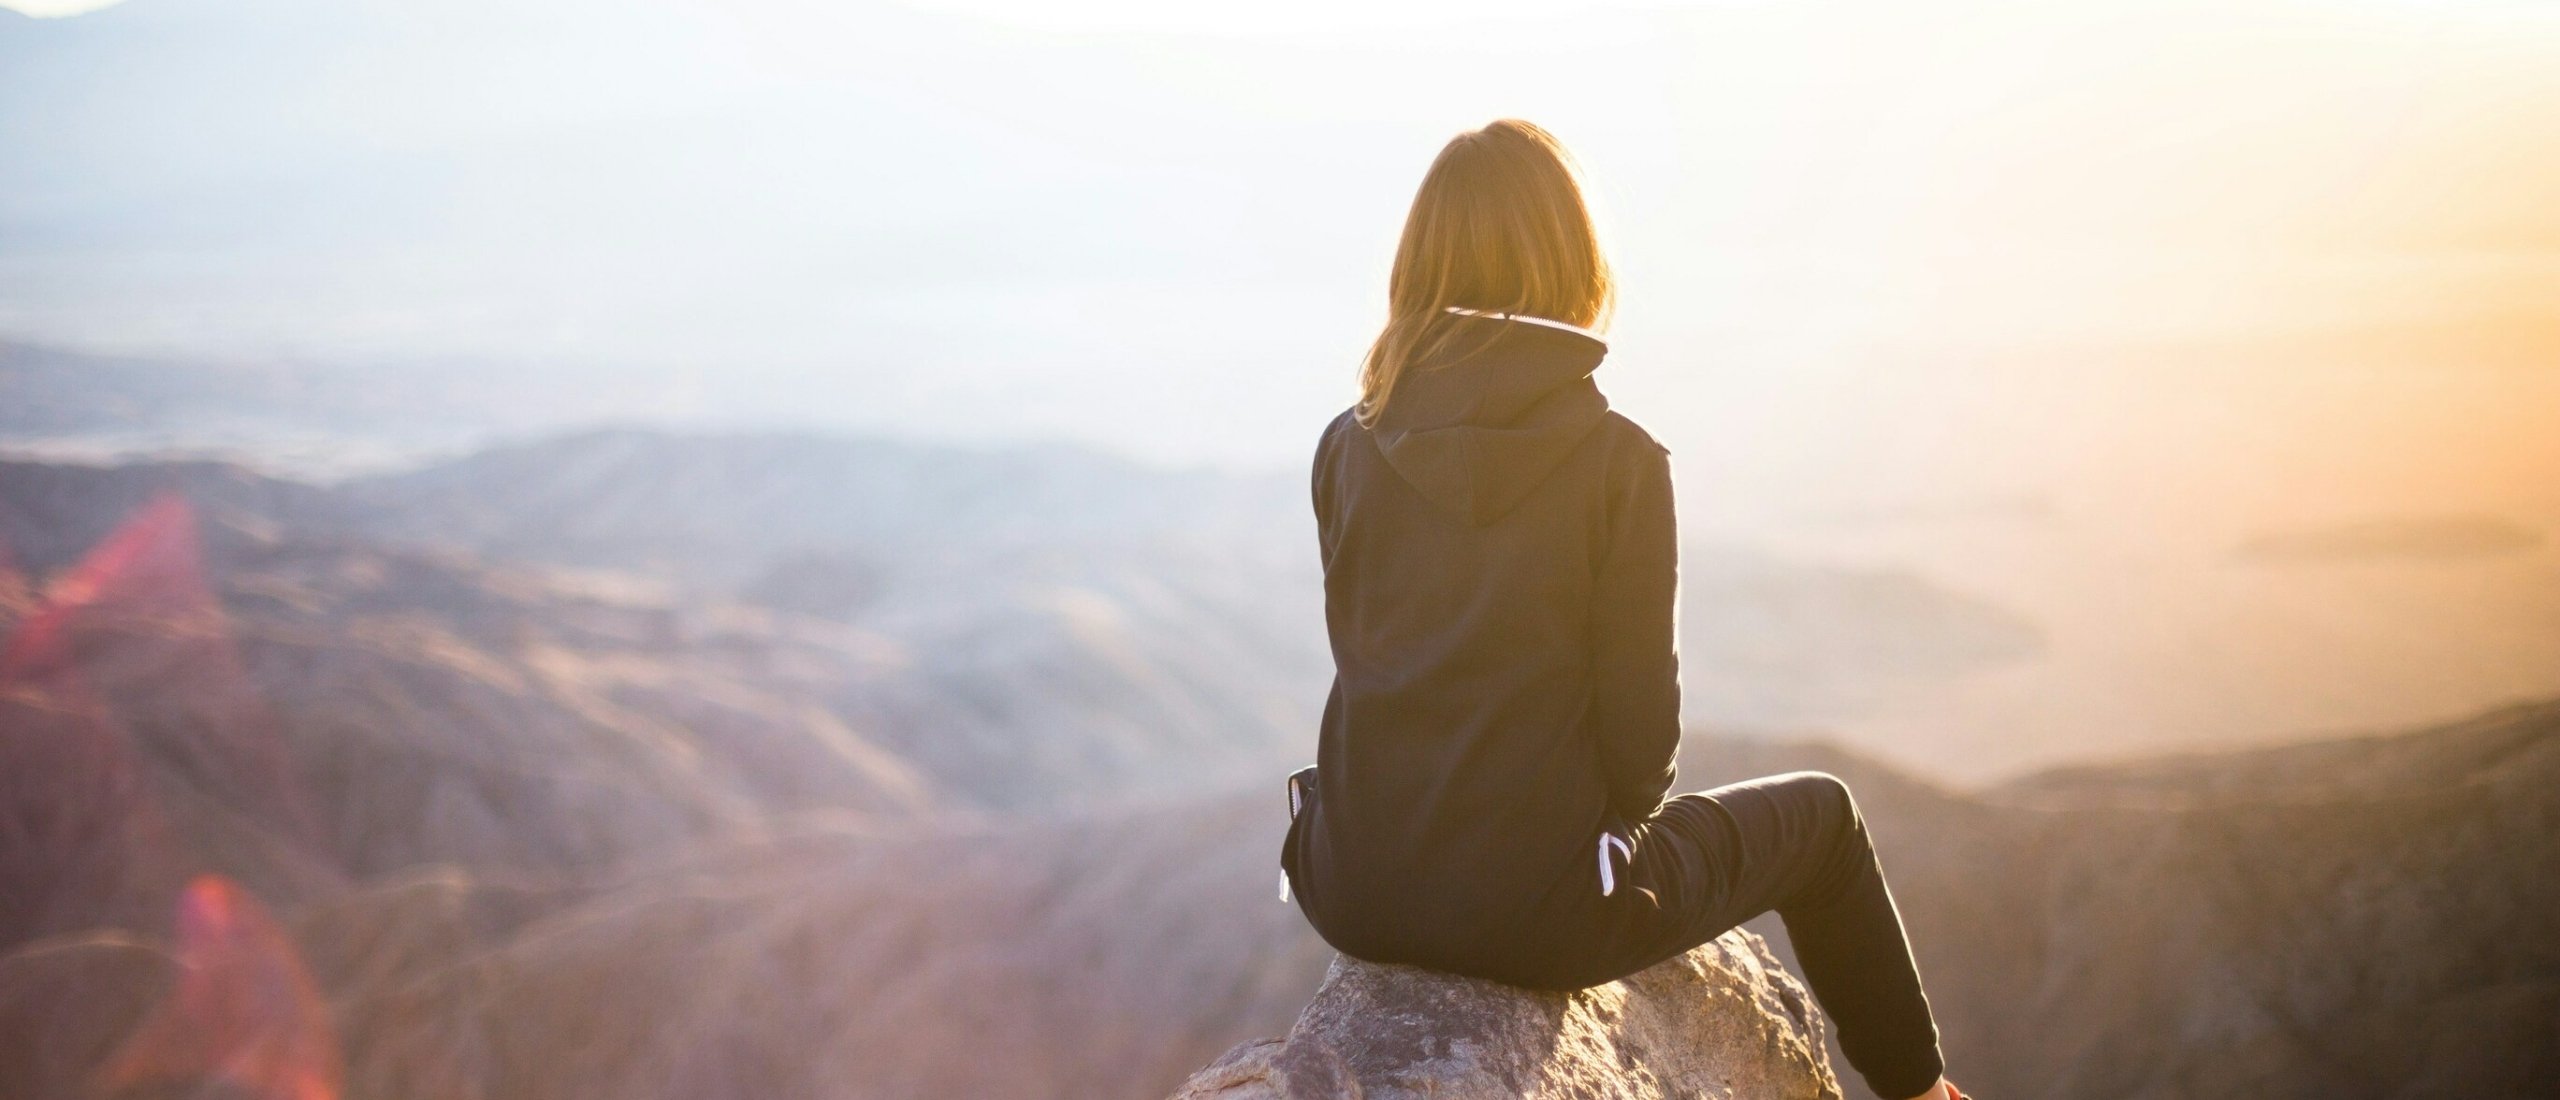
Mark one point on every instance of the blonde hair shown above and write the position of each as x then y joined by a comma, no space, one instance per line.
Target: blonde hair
1499,226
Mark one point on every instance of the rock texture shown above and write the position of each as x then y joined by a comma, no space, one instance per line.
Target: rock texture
1723,1021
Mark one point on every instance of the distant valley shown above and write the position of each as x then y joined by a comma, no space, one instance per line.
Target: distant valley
628,764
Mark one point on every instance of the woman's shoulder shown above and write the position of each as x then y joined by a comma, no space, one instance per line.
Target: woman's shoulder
1343,423
1325,467
1629,439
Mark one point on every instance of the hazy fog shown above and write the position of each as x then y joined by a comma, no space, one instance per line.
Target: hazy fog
2056,306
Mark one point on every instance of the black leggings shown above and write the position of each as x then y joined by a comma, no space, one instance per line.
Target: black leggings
1796,844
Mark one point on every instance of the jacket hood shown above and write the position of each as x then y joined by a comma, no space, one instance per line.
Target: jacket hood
1476,435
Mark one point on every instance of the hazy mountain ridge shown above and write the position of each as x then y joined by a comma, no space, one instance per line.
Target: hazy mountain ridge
315,419
402,711
2416,538
2351,916
1107,956
590,832
1771,643
881,531
1177,608
2487,752
1128,947
706,507
1017,672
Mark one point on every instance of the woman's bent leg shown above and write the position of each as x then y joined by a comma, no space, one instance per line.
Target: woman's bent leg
1797,844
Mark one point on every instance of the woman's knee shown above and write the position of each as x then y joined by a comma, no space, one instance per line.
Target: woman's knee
1847,852
1832,794
1830,788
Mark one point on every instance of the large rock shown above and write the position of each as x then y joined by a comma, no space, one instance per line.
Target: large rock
1722,1021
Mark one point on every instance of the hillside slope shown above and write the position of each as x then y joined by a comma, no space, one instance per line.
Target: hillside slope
2367,916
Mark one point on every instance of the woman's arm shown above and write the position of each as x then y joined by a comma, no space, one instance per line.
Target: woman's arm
1635,648
1320,489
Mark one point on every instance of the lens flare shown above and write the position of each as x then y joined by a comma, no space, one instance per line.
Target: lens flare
245,1012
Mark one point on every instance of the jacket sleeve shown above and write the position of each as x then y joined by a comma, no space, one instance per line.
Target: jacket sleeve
1635,646
1320,491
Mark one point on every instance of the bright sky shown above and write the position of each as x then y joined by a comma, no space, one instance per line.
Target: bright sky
49,9
895,212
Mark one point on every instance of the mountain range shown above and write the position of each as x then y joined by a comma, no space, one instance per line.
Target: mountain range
525,775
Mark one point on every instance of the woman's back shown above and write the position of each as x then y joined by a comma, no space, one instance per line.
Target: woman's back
1498,576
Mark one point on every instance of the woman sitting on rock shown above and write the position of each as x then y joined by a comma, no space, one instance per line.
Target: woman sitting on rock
1500,574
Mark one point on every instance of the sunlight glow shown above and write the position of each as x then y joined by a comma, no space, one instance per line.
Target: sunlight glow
1182,16
56,9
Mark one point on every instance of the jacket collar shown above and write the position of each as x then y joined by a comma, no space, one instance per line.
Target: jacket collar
1547,321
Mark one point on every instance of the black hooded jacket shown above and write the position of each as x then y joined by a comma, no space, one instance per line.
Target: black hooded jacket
1500,573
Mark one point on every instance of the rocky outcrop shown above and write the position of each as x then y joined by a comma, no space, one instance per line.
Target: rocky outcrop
1723,1021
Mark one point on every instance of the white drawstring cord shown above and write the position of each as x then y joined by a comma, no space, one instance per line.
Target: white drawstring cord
1550,322
1608,877
1296,803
